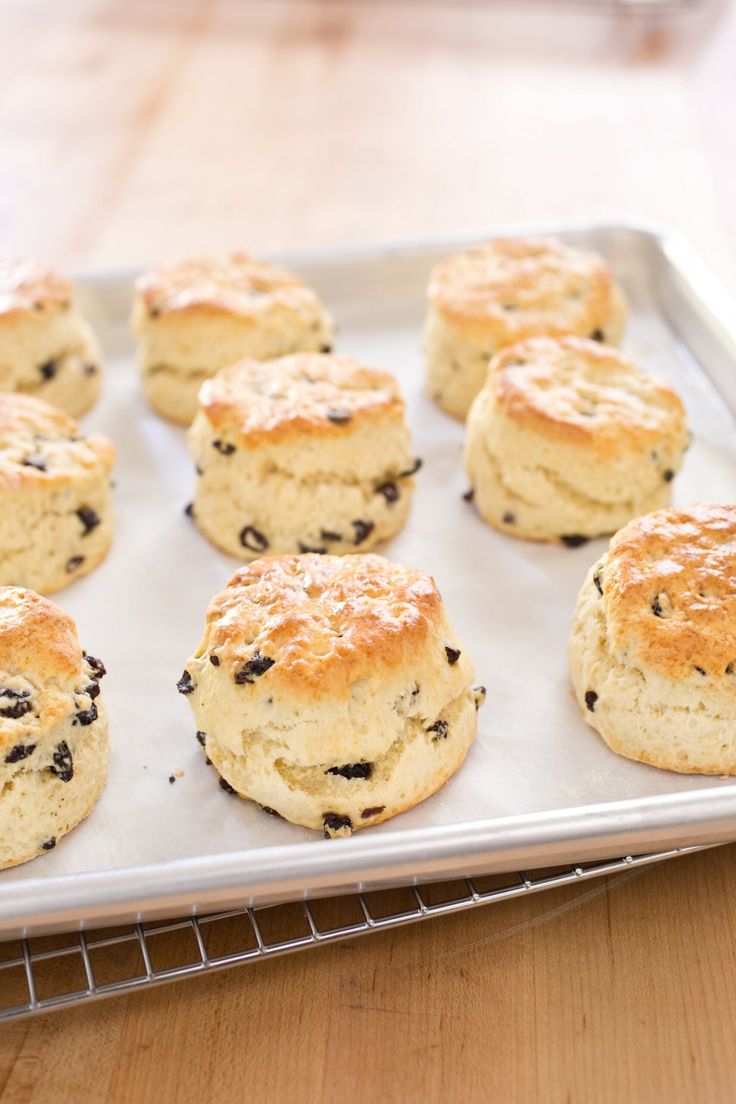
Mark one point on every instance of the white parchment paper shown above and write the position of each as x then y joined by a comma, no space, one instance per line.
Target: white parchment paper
142,611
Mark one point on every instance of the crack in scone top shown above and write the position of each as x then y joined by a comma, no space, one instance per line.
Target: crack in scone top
327,622
233,284
256,400
581,392
40,649
27,286
512,288
31,427
669,584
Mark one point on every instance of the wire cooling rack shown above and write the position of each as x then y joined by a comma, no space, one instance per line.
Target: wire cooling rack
38,974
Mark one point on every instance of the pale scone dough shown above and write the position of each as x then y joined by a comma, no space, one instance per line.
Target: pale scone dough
504,291
47,348
196,316
53,727
307,453
653,641
569,440
56,517
332,690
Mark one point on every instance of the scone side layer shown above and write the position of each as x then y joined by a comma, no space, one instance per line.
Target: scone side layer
416,765
567,438
684,724
537,491
39,807
337,494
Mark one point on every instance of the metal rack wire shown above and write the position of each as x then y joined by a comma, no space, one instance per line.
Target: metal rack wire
39,974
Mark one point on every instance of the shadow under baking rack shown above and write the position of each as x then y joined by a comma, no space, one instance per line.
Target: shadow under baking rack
39,974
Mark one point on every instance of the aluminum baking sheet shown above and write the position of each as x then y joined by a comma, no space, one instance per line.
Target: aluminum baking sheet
538,787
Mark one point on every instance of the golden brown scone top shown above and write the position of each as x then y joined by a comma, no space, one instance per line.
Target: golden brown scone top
231,283
40,444
28,285
579,391
41,664
256,400
316,624
37,638
669,583
518,287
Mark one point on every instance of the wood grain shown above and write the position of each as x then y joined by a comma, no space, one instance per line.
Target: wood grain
130,131
620,992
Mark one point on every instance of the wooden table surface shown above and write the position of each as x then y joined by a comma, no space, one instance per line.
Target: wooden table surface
134,130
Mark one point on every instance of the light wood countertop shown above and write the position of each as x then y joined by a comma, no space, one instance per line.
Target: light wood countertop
132,131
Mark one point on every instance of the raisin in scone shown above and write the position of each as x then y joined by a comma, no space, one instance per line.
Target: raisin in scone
47,349
53,726
653,642
332,690
199,315
56,519
505,291
569,440
307,453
